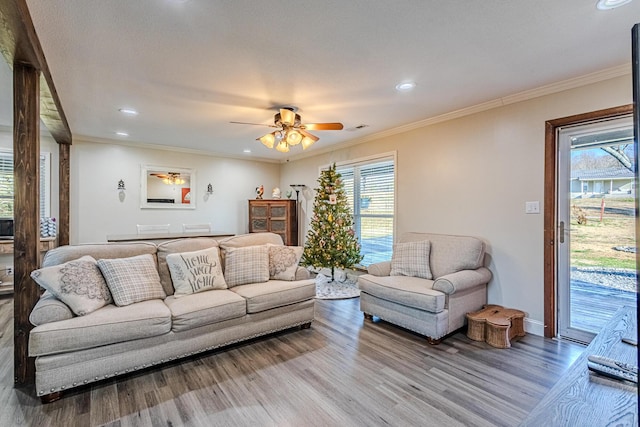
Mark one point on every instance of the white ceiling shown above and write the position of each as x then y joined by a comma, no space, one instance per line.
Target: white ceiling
191,67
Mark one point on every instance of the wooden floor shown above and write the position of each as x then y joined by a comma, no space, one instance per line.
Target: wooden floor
340,372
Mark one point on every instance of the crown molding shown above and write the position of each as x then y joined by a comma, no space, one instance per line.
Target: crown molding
144,145
549,89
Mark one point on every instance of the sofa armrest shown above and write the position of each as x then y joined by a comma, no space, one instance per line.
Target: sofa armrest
302,274
380,268
49,309
461,280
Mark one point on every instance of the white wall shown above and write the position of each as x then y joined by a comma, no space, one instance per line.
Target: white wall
472,176
97,211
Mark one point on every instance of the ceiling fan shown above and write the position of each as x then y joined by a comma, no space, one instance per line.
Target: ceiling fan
291,130
170,178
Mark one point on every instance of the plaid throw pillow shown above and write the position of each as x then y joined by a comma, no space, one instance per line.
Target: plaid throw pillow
78,283
411,259
132,279
249,264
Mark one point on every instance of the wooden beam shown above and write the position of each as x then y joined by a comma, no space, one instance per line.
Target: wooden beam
64,154
26,172
19,44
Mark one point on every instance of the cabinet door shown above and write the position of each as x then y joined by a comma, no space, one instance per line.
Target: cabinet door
259,221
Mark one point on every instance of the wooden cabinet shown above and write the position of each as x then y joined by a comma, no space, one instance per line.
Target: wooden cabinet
276,216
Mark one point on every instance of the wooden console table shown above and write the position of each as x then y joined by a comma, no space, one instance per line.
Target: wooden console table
161,237
583,398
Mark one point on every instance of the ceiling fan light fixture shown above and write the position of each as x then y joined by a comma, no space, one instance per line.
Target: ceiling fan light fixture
307,142
293,137
282,146
268,140
287,117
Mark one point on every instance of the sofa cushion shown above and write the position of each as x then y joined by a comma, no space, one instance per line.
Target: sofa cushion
196,271
251,239
78,283
411,259
66,253
132,279
275,293
410,291
283,261
246,265
107,325
450,253
176,246
204,308
49,309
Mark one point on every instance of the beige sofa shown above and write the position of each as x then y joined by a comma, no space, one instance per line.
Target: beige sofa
113,340
433,307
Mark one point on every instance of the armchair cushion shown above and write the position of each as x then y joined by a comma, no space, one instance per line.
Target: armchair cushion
380,268
409,291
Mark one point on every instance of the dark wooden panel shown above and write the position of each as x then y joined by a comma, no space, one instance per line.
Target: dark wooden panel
26,148
276,216
64,219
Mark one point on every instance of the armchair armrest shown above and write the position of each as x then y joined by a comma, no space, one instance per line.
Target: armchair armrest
302,274
380,268
461,280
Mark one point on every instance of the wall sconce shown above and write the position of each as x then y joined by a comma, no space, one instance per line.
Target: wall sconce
209,189
121,189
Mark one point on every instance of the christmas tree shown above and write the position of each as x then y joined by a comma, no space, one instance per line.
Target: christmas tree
331,241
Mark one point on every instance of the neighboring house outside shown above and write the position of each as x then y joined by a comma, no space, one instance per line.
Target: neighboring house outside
611,181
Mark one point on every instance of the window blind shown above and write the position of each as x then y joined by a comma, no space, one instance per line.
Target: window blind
7,185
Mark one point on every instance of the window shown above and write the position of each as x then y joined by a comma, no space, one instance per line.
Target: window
370,189
6,185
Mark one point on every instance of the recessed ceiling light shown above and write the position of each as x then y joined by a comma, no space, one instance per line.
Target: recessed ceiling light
128,111
246,150
405,86
611,4
122,134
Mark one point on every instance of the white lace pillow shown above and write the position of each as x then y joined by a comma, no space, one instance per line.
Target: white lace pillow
283,261
132,279
196,271
78,283
411,259
249,264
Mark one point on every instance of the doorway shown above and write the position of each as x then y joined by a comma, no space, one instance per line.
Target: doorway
586,219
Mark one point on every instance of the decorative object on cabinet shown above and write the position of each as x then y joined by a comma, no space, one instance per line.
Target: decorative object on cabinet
276,193
275,216
259,192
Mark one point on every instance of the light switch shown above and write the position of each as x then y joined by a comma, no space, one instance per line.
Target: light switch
532,207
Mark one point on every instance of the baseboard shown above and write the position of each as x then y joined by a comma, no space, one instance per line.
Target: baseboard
534,327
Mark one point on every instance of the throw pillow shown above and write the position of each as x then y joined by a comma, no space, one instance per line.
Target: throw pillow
249,264
283,261
196,271
78,283
132,279
411,259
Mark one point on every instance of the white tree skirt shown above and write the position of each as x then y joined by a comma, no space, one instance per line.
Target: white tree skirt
326,289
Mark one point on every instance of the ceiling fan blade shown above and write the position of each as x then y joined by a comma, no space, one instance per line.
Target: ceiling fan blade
322,126
309,135
254,124
287,117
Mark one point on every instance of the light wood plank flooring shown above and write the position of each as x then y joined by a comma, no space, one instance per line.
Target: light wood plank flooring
341,372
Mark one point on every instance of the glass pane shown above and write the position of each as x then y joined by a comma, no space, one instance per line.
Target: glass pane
376,239
278,226
259,211
259,224
278,211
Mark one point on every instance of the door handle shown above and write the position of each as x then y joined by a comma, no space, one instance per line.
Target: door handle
562,231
